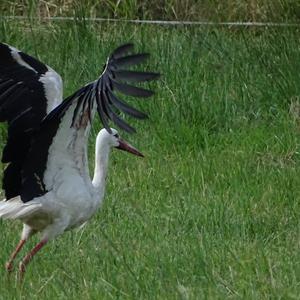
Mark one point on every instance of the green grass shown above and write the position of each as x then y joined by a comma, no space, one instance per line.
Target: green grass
213,210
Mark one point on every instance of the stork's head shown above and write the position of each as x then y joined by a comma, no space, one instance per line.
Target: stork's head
114,140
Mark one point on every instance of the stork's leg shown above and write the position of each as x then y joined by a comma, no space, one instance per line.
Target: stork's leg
49,233
26,233
27,259
9,265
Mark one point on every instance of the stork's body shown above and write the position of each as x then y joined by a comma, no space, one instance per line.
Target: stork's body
73,199
48,187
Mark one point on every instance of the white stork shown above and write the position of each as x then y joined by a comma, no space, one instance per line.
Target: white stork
46,182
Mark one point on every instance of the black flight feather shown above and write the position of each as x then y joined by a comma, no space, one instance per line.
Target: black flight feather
124,107
131,90
122,50
134,76
130,60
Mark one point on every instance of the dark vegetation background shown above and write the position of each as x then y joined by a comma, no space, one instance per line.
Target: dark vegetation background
194,10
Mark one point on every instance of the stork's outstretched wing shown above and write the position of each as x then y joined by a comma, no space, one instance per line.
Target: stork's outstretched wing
63,134
29,90
102,91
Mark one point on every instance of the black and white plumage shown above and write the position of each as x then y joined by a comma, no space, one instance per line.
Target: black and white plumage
46,182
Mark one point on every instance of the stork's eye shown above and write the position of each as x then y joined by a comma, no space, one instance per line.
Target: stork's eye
116,135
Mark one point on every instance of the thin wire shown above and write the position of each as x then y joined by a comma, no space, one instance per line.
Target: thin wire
162,22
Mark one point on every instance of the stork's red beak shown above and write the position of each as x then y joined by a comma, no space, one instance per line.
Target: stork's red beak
123,145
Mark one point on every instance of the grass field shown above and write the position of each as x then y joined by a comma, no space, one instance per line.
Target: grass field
213,210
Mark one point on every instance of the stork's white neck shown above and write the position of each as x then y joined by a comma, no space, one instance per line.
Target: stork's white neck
101,164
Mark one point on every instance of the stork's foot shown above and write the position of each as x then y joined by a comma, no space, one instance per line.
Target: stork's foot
9,266
22,269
